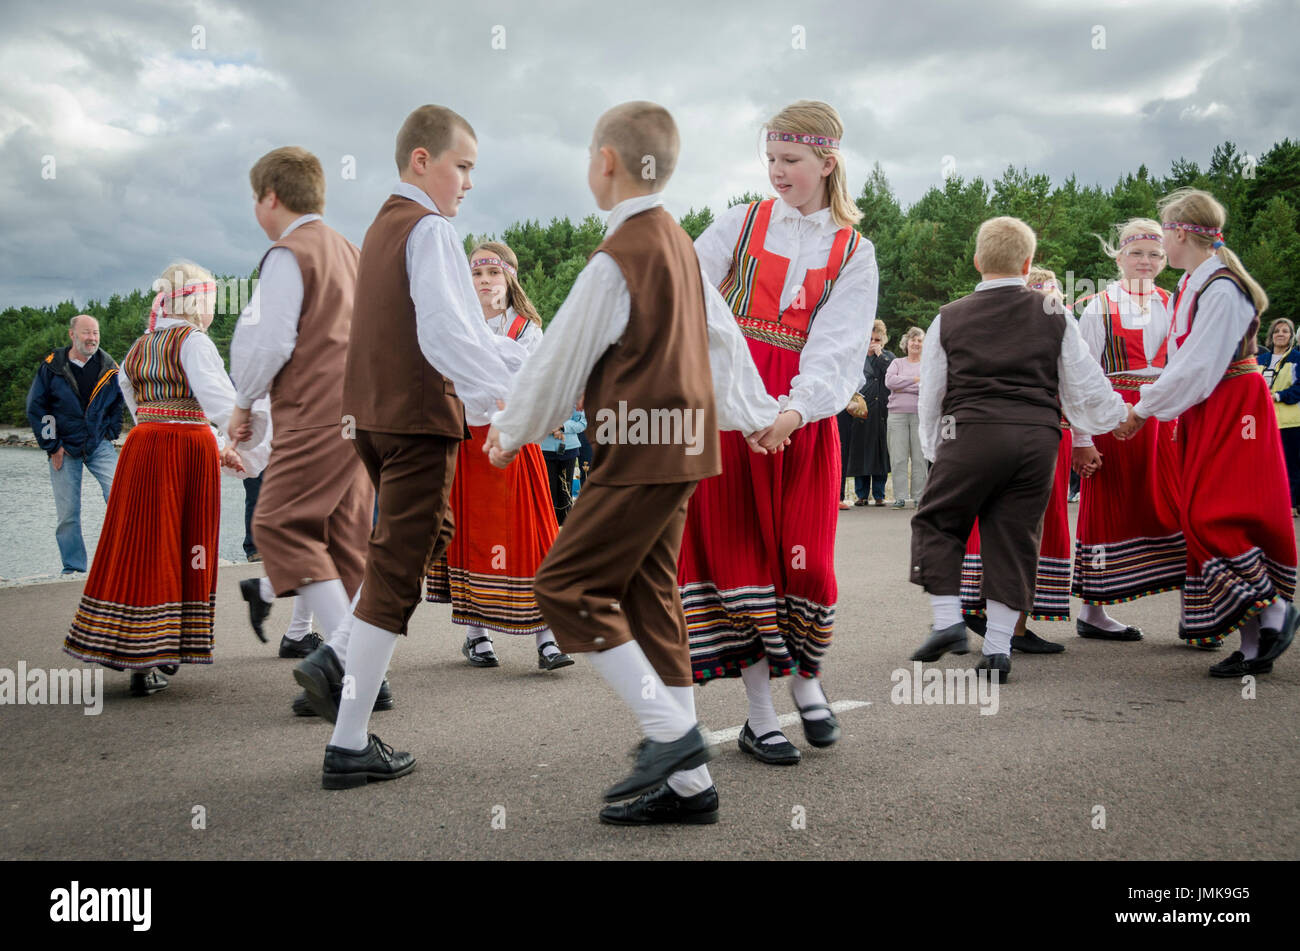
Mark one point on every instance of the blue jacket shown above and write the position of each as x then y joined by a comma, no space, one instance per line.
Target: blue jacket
1292,393
572,426
54,394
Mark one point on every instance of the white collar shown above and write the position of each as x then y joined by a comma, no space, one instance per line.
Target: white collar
1000,282
166,323
818,220
415,193
298,222
628,207
80,363
1196,278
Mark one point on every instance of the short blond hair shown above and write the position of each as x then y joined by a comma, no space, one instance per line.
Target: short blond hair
178,275
879,328
1004,244
637,131
430,128
296,177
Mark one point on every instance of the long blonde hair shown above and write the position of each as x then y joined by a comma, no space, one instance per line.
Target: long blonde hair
1195,207
515,295
811,117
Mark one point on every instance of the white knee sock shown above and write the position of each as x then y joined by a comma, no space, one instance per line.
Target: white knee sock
265,590
946,609
1002,621
545,637
300,623
807,691
337,638
758,688
1274,616
482,647
1250,639
369,652
688,782
327,600
627,670
1095,614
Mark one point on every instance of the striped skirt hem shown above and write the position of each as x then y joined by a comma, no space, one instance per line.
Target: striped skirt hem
1231,591
1051,588
733,629
1126,571
135,637
495,602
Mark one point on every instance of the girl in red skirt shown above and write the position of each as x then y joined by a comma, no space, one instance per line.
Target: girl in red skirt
1241,552
505,522
756,571
1052,583
1129,543
148,602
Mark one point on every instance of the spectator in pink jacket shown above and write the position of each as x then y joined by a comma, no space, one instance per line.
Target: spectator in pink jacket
902,379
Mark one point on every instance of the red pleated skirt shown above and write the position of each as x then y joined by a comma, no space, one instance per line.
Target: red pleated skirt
1235,506
1052,584
505,525
150,596
1130,543
757,564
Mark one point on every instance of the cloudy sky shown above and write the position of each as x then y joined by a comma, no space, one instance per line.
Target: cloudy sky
127,129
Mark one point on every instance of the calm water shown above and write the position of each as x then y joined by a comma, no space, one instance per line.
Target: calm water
27,546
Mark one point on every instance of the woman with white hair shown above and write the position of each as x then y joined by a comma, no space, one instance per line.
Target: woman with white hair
903,379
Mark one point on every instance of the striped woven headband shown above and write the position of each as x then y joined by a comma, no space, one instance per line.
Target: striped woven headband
194,287
821,141
1044,285
491,262
1141,237
1207,230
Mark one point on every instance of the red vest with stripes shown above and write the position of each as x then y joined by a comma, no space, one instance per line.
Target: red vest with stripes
753,285
1124,350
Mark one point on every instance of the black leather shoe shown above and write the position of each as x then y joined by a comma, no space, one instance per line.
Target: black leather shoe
384,701
1273,642
555,661
346,769
145,682
1236,665
999,662
1091,630
784,753
1031,643
664,805
655,762
976,623
171,670
258,607
485,659
321,675
824,732
950,639
300,648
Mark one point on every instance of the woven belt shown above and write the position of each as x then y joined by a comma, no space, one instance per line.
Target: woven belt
771,332
182,410
1242,367
1129,381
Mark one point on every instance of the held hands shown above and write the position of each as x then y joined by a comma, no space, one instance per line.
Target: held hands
496,455
230,459
777,436
240,427
1130,426
1085,460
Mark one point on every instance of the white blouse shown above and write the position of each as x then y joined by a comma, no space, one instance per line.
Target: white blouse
830,364
530,338
1193,370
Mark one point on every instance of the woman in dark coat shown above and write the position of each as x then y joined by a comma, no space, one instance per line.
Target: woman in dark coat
864,445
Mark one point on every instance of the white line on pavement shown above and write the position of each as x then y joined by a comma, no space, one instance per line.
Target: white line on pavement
785,719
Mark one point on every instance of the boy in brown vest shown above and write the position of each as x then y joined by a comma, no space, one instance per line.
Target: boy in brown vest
419,348
994,366
639,339
313,512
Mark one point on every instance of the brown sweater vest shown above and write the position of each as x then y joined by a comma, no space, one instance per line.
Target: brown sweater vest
388,385
308,391
651,417
1003,345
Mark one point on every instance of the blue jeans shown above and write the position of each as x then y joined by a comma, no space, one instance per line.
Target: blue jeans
876,482
67,500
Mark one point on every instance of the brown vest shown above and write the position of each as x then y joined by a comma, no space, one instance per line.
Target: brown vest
1003,345
308,391
649,400
388,385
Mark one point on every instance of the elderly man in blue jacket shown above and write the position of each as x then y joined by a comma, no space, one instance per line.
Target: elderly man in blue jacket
75,409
